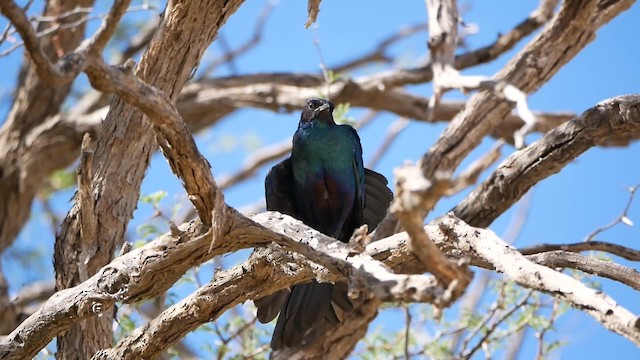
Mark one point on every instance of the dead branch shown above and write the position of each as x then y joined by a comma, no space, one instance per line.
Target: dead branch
516,267
549,155
71,64
68,129
150,270
412,195
378,54
314,9
392,134
614,249
621,219
570,31
606,269
256,38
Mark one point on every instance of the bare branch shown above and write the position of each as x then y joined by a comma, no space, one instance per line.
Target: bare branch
622,218
504,43
443,39
314,9
71,64
561,40
410,193
378,53
392,134
615,249
471,174
515,266
178,145
34,292
255,39
43,66
540,335
606,269
525,168
136,275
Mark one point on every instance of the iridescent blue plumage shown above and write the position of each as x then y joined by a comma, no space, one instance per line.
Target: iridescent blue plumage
325,185
328,176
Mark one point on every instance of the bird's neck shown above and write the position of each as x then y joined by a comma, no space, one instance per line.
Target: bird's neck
317,123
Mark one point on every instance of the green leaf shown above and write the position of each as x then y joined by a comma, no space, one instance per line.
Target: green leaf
153,198
340,114
147,230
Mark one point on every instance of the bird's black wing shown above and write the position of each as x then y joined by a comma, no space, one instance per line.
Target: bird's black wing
279,197
377,198
278,188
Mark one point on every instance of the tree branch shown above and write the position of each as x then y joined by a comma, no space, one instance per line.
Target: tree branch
549,155
150,270
614,249
562,39
515,266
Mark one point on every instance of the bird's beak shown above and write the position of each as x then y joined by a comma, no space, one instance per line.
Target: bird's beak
322,108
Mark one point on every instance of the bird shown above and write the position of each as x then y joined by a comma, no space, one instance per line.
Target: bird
325,185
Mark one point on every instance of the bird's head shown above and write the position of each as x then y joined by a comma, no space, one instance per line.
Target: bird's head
318,110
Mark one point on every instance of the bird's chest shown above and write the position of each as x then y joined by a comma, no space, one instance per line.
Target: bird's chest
322,159
322,149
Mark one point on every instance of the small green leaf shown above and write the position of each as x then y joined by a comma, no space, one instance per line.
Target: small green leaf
153,198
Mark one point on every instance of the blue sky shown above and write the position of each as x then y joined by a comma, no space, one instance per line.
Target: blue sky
587,194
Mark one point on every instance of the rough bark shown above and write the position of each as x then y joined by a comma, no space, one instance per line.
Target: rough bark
25,162
563,38
153,268
525,168
108,192
34,109
122,156
55,142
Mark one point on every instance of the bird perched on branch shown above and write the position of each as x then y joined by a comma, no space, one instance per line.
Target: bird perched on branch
325,185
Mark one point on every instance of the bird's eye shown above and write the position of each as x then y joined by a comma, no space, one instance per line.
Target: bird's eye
310,106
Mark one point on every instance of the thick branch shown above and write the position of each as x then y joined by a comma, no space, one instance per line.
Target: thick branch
570,31
614,249
122,153
549,155
607,269
199,115
515,266
150,270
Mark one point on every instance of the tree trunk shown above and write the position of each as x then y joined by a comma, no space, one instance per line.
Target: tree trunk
122,157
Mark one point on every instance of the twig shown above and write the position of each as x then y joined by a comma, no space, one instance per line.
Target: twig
407,332
548,326
615,249
378,53
471,174
231,54
491,329
323,65
314,9
484,110
392,134
622,218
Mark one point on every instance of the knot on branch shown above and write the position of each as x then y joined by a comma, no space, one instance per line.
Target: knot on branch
415,193
72,64
359,240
